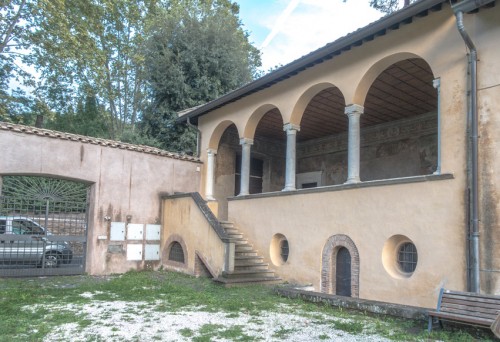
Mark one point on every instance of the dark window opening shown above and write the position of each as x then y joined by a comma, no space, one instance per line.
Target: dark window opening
176,253
256,174
284,249
309,185
407,257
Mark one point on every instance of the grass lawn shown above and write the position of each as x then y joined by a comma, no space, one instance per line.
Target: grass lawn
166,306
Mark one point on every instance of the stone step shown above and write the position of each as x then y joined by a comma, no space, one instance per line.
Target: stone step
241,254
248,274
237,236
244,247
248,257
255,267
228,282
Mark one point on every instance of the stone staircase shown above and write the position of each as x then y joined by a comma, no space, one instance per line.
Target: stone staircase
249,267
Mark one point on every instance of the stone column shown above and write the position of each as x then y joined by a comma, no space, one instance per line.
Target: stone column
246,145
209,183
353,112
291,158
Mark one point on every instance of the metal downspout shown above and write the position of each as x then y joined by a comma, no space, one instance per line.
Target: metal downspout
198,136
472,112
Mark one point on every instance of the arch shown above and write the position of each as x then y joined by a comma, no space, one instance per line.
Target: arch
329,262
305,98
255,118
217,133
374,71
175,238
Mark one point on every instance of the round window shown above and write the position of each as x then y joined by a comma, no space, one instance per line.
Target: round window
399,256
279,249
407,257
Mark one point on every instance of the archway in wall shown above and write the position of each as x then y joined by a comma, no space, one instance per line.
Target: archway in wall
267,167
322,141
340,267
43,226
226,168
399,124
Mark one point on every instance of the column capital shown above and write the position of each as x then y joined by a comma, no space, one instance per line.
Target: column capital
246,141
288,127
211,151
354,109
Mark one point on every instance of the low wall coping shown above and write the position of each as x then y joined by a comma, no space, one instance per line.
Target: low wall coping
341,187
397,310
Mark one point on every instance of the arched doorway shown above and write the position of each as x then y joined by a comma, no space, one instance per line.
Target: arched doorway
343,273
340,267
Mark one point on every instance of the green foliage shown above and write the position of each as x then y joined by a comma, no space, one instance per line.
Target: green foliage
389,6
32,308
121,69
195,52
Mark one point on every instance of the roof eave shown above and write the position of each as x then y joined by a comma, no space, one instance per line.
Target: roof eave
318,56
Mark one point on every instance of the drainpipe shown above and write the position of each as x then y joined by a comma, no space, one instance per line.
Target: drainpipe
198,136
459,9
436,83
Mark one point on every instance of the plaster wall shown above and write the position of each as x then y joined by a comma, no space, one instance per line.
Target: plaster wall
183,221
123,183
429,214
433,214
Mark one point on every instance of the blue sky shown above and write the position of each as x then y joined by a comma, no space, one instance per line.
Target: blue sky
285,30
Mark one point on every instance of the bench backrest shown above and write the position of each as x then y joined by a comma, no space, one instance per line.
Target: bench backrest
469,304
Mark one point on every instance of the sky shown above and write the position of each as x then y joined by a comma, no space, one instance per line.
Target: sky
284,30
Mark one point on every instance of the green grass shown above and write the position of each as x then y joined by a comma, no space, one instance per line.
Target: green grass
32,308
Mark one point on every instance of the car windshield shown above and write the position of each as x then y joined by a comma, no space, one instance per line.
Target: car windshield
24,227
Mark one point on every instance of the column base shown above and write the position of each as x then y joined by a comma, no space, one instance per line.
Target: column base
353,181
289,188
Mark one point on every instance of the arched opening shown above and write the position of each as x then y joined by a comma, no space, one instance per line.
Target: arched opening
322,141
267,167
343,272
399,123
340,267
43,226
225,175
176,252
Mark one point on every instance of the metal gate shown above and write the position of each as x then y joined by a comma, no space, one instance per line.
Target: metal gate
42,235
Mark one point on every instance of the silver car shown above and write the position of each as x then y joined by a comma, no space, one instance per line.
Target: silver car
25,242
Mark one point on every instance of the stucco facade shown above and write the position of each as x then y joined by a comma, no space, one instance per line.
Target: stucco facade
126,183
377,181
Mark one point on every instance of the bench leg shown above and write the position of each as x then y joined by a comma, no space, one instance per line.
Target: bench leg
429,326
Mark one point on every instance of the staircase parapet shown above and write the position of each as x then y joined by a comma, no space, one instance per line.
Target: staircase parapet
209,215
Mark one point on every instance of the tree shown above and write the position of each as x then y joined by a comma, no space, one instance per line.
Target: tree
93,43
196,51
389,6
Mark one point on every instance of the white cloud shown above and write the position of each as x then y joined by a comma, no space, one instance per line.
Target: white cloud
311,25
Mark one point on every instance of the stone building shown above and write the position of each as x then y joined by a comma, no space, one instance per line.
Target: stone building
366,168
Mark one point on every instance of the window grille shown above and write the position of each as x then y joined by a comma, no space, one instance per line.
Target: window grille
176,252
407,257
284,249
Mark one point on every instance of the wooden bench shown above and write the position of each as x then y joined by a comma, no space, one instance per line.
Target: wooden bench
466,308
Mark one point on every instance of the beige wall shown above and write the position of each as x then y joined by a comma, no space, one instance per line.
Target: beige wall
184,222
122,182
430,213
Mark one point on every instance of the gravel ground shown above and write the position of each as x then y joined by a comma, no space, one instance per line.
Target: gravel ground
141,321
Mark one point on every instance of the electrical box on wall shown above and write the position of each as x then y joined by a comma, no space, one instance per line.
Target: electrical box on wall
152,252
117,232
135,231
134,252
153,231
